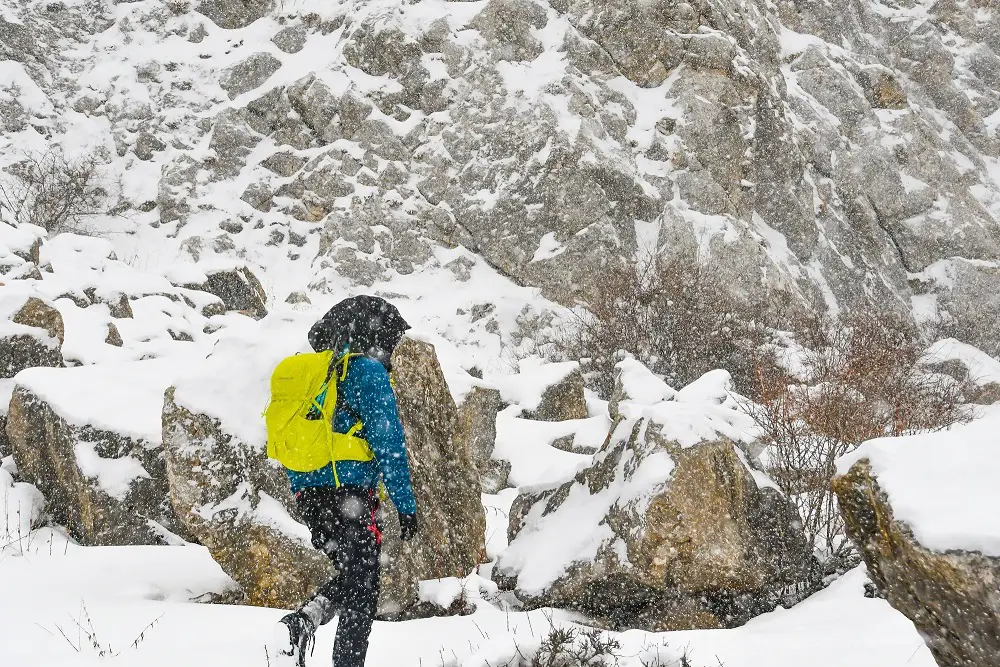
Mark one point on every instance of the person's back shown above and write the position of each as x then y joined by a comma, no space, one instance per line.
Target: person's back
340,501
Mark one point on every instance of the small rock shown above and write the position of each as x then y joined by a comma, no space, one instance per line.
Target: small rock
277,237
284,163
563,400
114,337
296,239
249,74
146,144
232,14
231,226
882,89
37,313
260,196
291,39
238,288
476,431
298,297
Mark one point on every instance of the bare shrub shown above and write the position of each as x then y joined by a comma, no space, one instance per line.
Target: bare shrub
863,380
53,190
673,314
573,647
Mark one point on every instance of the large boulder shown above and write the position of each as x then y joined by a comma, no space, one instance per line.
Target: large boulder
236,502
451,541
668,529
921,510
86,437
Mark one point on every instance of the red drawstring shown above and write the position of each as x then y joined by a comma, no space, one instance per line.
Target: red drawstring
373,526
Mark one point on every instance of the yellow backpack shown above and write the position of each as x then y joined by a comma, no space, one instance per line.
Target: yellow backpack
299,416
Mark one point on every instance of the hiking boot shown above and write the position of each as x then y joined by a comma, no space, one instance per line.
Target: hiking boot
294,635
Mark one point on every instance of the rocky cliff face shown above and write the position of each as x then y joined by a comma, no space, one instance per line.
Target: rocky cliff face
843,157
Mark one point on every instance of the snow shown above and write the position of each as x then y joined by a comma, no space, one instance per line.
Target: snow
534,376
640,385
125,398
983,369
548,247
115,476
526,444
942,485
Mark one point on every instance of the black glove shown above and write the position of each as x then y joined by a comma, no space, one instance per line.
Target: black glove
407,526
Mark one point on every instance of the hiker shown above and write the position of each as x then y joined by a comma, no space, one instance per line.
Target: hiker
336,478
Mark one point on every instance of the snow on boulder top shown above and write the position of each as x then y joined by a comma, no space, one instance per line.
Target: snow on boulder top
640,385
534,376
703,411
712,387
19,239
14,295
124,398
233,383
983,369
942,485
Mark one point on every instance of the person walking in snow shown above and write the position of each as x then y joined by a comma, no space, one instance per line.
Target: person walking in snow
339,500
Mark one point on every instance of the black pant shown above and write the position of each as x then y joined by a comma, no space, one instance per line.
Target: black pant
342,522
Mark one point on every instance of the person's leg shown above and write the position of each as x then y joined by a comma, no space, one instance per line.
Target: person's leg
357,588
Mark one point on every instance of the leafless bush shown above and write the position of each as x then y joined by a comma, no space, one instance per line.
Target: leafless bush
676,316
573,647
863,380
53,190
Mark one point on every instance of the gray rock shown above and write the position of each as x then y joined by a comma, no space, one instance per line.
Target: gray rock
563,400
36,340
284,163
249,74
260,196
35,312
146,144
948,596
317,105
232,140
476,431
233,14
291,39
508,23
705,549
298,297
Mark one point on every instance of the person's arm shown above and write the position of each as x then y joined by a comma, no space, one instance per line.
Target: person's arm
376,405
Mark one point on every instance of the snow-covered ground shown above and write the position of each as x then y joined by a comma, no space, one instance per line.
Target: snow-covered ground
62,604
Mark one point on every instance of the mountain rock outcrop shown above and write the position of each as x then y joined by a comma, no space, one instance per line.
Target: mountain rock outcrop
849,157
657,534
926,541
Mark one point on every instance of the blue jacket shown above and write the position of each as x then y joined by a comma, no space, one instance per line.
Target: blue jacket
367,391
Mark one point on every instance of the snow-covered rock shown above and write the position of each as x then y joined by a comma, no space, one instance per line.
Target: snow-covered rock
89,439
668,528
921,510
451,541
235,502
31,331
